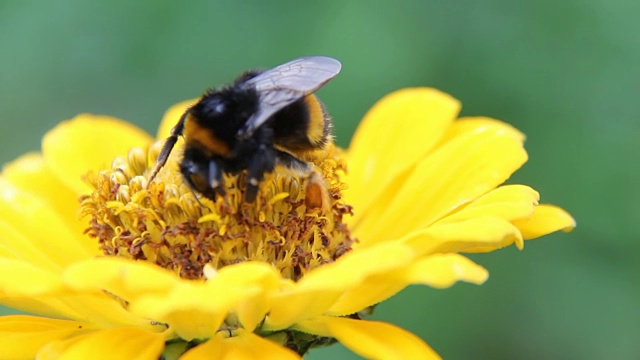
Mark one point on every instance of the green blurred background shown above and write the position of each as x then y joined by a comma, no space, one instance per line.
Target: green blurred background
564,72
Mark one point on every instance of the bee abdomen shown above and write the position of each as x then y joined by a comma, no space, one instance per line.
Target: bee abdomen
302,126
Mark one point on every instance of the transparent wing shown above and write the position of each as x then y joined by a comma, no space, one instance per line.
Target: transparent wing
284,84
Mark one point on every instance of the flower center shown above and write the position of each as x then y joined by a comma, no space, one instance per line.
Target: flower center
289,225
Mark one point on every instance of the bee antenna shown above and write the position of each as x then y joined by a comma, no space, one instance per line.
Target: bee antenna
168,146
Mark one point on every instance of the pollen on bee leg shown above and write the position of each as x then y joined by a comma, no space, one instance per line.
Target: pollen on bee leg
317,196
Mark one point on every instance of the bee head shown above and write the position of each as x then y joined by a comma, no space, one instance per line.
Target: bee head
226,110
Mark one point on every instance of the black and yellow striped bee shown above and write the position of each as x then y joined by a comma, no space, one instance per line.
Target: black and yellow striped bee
262,119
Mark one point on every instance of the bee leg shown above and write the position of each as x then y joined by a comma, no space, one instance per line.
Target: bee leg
262,162
292,163
317,196
168,146
196,174
215,178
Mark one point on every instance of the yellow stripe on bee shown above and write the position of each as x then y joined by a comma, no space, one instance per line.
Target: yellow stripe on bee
197,135
316,133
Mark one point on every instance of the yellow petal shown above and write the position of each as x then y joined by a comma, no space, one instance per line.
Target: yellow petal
118,343
24,279
455,174
288,307
407,122
214,348
196,309
21,336
480,234
439,271
189,323
122,277
172,116
45,230
152,292
33,306
30,173
185,318
371,339
508,202
56,306
16,246
545,220
443,270
245,345
251,312
88,142
105,310
474,123
320,288
373,290
100,308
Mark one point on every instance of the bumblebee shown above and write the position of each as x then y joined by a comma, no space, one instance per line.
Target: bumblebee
263,119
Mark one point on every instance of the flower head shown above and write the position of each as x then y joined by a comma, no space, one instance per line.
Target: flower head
166,223
153,268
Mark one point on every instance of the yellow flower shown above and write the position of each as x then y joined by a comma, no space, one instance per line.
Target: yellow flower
152,269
